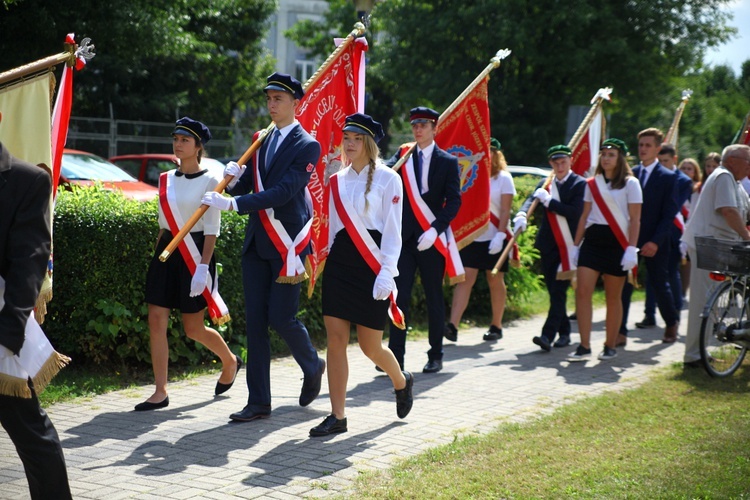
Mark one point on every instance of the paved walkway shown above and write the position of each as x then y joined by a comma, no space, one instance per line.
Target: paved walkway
191,450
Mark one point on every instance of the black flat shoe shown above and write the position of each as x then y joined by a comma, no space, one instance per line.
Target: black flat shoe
404,397
146,406
450,332
250,413
433,366
311,385
330,425
222,388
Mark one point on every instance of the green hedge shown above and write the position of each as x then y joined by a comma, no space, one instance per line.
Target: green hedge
102,246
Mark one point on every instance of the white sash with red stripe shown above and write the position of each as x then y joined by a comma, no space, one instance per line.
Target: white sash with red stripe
445,242
561,232
366,246
293,271
616,220
189,251
681,217
515,253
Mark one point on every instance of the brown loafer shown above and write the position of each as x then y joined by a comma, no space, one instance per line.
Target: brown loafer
670,334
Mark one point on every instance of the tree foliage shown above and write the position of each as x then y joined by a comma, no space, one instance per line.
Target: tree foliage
155,58
427,52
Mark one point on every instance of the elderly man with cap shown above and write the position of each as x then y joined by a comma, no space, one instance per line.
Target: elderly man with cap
562,202
433,197
273,254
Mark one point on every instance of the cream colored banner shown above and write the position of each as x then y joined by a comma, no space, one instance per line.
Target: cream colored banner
26,119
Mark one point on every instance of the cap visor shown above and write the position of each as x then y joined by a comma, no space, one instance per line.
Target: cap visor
558,155
276,87
351,127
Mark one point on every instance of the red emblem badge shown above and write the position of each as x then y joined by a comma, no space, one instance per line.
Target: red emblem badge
395,199
310,167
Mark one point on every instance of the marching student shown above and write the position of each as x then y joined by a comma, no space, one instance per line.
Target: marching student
274,250
691,168
366,200
483,252
433,197
562,203
609,230
187,280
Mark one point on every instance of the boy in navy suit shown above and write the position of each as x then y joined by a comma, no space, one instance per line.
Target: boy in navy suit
271,275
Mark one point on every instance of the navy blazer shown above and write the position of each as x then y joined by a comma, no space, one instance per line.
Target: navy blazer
443,196
569,206
24,242
284,190
659,205
683,188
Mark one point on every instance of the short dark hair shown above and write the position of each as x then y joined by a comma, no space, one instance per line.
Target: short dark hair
668,149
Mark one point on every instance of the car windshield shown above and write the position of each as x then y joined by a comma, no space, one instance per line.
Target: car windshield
88,167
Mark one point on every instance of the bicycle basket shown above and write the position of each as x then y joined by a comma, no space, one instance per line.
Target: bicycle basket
725,256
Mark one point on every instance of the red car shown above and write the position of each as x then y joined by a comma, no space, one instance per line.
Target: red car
84,169
147,167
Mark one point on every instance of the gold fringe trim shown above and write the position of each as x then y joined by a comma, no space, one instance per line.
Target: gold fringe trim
45,295
515,263
221,319
14,386
292,280
400,326
566,275
457,279
47,372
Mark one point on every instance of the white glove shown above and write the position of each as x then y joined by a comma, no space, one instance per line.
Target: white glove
235,170
574,251
214,199
383,286
496,244
519,223
200,278
629,258
683,249
5,352
543,196
427,239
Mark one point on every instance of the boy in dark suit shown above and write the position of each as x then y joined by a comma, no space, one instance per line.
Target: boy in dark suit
271,275
568,205
654,240
438,186
24,252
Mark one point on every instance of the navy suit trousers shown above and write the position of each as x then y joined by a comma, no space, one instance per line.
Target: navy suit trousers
675,280
557,318
275,305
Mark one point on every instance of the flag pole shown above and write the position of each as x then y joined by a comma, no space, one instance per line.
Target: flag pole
672,132
358,30
596,103
494,63
68,56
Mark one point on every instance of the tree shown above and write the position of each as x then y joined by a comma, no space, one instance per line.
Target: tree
155,58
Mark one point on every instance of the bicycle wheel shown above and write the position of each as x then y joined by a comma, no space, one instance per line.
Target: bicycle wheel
725,315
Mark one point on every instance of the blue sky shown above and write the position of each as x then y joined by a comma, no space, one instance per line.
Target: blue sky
735,52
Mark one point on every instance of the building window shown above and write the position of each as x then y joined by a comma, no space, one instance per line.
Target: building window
303,70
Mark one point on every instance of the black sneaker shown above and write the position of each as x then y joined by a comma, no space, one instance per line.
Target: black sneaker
404,398
494,333
581,354
607,353
542,342
563,341
648,322
450,332
330,425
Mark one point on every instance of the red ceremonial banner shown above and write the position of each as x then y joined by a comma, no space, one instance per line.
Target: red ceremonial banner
743,136
586,152
338,92
465,133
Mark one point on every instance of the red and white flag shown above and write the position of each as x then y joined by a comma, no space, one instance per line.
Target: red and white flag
586,151
338,92
743,135
465,133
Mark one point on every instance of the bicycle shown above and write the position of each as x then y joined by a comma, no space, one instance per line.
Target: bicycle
725,328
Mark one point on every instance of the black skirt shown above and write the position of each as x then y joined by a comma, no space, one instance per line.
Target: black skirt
476,256
168,283
347,285
601,251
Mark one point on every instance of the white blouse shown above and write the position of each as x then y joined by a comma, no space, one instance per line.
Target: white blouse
189,190
499,185
631,193
384,210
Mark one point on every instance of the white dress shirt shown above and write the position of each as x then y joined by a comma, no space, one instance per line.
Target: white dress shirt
499,185
426,157
189,190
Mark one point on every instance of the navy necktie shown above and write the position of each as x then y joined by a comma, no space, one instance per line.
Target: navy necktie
272,148
418,171
643,176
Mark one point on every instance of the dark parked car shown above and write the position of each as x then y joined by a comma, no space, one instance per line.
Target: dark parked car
84,169
148,166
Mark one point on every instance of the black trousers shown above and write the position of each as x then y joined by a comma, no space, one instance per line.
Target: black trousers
38,446
431,266
557,318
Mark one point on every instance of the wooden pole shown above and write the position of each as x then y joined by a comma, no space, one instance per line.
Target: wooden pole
494,63
358,30
572,144
672,132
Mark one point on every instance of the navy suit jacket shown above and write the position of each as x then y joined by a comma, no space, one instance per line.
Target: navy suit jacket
284,190
683,188
569,206
659,205
443,196
24,242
